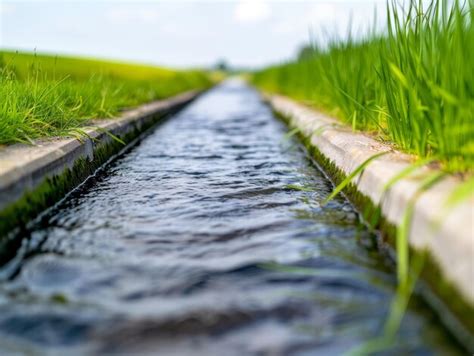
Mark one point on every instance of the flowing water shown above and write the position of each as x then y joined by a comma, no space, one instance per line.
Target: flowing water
196,241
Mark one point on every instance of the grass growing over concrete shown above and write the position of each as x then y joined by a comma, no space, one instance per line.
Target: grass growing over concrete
413,85
43,95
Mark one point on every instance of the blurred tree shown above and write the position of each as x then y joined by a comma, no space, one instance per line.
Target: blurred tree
222,65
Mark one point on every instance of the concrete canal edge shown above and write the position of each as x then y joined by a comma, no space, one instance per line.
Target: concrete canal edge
445,236
35,177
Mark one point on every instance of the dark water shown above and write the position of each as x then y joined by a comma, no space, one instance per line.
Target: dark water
193,243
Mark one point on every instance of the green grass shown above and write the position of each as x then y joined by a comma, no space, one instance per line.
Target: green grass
42,95
412,85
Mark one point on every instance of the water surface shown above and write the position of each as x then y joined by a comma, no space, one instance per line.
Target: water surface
196,242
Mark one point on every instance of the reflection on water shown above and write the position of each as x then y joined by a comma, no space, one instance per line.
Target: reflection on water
197,242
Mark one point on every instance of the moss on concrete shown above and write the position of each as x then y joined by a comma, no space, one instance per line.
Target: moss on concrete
14,218
52,189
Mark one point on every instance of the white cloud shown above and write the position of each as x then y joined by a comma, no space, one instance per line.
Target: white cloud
322,13
135,13
312,16
285,27
327,18
247,11
6,9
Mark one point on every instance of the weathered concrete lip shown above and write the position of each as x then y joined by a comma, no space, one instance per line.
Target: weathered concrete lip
447,234
23,167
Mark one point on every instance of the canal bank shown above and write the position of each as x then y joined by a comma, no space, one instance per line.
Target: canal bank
209,236
386,189
35,177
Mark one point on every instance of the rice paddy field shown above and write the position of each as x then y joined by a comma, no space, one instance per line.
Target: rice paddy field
44,95
412,85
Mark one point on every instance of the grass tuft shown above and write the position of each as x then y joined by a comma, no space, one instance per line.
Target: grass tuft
412,85
43,96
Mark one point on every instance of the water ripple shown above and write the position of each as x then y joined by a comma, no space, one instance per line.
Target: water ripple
194,242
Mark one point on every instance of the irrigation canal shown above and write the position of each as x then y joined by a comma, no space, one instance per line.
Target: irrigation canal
196,242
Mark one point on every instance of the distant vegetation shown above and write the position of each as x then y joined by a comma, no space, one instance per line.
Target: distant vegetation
412,85
43,95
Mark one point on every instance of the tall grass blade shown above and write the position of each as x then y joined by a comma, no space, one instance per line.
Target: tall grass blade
351,176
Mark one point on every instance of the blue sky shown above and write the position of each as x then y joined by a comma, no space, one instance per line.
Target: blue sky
178,33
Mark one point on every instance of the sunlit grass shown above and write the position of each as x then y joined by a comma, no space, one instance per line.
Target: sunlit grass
413,85
49,96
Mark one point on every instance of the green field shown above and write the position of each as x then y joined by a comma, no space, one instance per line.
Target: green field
43,95
412,85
